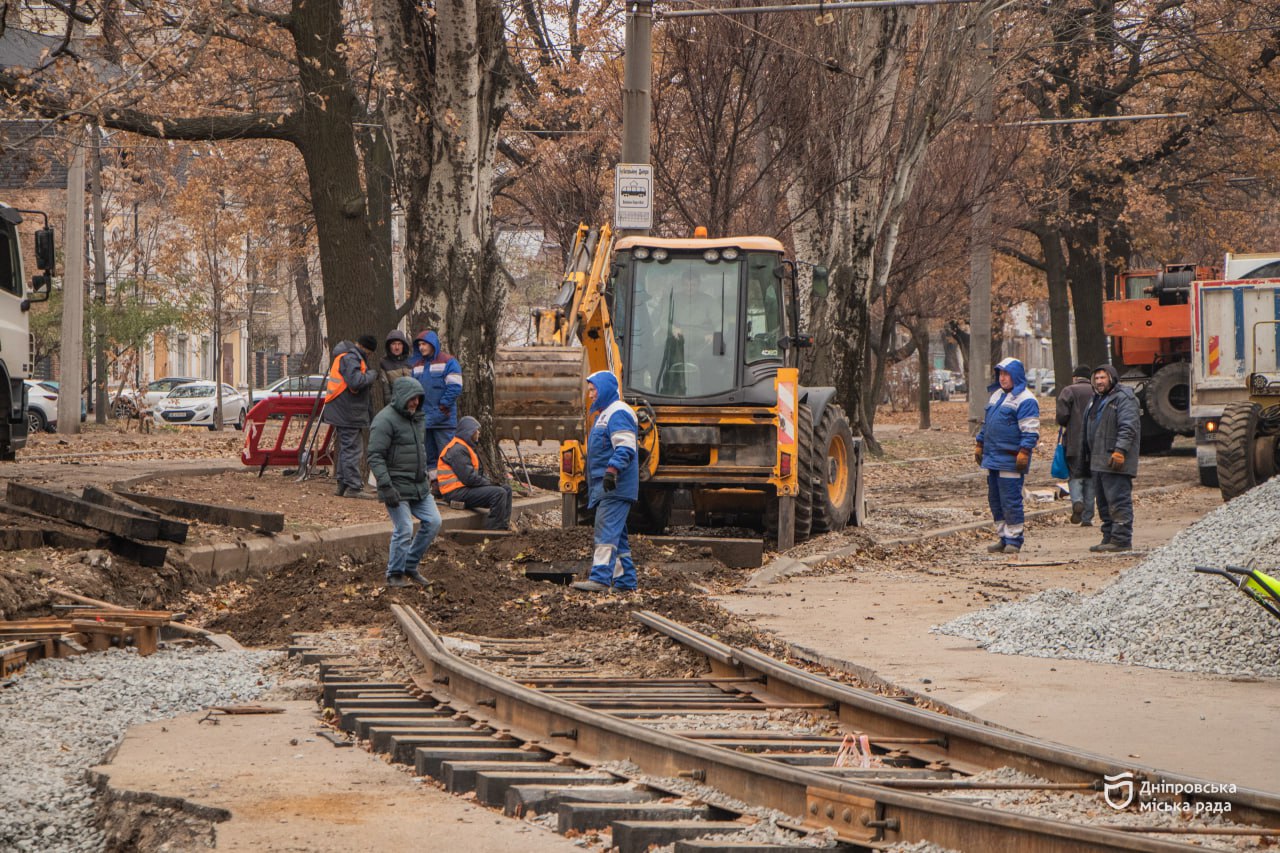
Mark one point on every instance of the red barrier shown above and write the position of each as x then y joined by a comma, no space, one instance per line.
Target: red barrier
275,428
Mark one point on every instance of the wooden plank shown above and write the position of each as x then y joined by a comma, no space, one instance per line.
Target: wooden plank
171,529
70,508
222,641
228,516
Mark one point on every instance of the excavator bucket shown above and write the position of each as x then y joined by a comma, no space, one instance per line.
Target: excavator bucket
538,393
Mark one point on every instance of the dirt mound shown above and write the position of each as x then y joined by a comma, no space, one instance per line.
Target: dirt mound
476,589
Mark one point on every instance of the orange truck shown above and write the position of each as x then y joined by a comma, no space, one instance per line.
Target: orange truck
1148,317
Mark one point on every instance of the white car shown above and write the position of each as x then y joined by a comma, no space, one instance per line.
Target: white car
42,407
192,404
291,386
131,400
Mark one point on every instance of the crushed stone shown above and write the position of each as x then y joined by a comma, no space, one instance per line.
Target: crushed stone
1159,613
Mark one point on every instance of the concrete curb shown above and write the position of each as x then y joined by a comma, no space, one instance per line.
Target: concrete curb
220,562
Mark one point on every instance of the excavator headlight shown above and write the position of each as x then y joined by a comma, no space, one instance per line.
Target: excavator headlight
711,256
641,254
566,462
729,254
784,465
660,254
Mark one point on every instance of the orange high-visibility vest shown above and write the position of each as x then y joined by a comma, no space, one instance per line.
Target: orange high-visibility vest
336,384
445,478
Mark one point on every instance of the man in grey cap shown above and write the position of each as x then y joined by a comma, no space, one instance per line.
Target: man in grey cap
460,476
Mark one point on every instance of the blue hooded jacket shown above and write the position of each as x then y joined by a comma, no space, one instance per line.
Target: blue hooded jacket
1012,421
441,379
611,443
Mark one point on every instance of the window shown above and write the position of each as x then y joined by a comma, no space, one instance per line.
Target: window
764,310
684,327
10,280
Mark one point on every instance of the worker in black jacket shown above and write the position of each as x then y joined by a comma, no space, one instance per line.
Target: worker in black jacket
460,476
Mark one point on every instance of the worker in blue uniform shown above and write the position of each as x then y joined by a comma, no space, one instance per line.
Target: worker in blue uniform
613,482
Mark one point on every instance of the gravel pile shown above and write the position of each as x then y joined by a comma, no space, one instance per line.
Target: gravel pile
62,716
1159,613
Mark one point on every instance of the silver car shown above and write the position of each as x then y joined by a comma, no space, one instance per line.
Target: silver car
193,404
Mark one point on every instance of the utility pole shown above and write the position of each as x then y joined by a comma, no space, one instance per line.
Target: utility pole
979,366
99,285
637,77
71,357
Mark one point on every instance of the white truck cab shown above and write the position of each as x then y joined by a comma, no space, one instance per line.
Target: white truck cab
16,297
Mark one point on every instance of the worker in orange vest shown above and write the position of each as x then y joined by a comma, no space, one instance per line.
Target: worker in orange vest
460,476
346,408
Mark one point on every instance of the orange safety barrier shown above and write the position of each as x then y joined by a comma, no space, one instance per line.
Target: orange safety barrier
275,429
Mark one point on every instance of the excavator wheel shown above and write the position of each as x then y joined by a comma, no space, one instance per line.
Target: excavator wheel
835,477
806,470
1168,398
1245,457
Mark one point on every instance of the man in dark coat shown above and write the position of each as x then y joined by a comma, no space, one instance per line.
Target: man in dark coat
460,476
346,408
398,460
1073,402
1113,430
394,364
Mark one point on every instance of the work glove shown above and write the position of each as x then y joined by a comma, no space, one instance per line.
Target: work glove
1117,461
610,479
1024,461
389,496
977,453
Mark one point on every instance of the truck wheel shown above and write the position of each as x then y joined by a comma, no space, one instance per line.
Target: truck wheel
835,482
1168,398
806,470
1237,450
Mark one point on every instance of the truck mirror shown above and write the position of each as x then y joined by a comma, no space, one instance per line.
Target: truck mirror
820,280
44,249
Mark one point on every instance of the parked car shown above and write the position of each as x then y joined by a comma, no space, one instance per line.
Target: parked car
193,403
941,385
42,407
291,386
130,402
49,391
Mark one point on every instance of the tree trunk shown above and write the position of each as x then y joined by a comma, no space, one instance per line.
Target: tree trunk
1059,306
326,115
443,122
920,331
1085,272
313,354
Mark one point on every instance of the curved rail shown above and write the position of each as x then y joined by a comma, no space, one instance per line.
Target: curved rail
963,745
858,812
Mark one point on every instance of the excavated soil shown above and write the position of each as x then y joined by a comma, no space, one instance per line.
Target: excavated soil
476,589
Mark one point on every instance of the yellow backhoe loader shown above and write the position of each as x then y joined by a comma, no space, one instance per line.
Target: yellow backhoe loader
704,337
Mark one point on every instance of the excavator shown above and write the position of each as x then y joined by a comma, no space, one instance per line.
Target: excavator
704,337
1148,318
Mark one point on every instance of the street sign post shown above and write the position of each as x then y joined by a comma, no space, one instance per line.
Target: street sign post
633,196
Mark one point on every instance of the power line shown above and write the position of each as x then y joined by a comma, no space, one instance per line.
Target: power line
1092,119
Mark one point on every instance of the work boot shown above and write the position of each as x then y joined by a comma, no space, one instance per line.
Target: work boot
1077,512
397,581
342,489
417,578
1104,545
358,494
590,586
1111,548
1012,549
997,548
